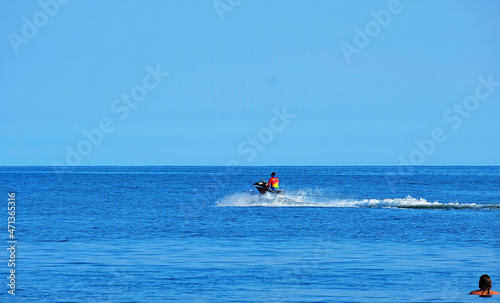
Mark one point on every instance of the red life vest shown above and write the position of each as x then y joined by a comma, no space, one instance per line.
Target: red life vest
274,183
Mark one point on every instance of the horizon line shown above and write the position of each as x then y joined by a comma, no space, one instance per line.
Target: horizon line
278,165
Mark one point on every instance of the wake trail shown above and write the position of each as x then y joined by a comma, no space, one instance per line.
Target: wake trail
304,200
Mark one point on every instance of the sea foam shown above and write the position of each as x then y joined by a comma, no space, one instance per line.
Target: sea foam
302,199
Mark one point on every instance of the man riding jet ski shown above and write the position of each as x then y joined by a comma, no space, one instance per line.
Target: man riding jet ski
272,185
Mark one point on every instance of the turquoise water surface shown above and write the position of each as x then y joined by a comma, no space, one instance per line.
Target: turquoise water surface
198,234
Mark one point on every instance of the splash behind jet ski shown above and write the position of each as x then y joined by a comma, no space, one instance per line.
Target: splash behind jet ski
262,187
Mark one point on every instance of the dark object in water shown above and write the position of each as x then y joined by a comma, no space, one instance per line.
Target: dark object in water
263,188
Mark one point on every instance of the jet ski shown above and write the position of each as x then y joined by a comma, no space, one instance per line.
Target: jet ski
262,187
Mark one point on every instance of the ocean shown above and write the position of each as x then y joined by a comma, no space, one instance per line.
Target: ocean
199,234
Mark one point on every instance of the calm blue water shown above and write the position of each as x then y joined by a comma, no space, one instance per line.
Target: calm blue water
197,234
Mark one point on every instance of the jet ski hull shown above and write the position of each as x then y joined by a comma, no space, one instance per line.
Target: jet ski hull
262,187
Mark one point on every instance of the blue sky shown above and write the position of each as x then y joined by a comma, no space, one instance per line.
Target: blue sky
250,82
